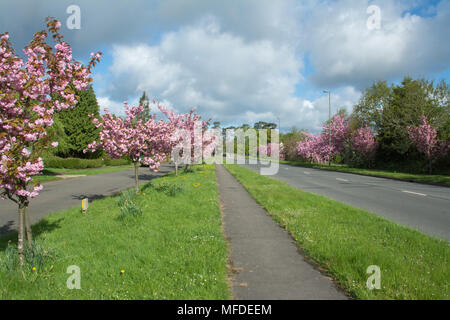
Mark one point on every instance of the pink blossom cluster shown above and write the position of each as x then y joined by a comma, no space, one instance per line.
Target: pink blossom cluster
145,142
202,140
317,147
426,140
363,141
271,150
190,130
31,90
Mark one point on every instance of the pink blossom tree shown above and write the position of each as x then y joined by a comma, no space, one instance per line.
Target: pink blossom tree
364,142
143,142
271,150
198,141
317,147
176,122
426,141
31,92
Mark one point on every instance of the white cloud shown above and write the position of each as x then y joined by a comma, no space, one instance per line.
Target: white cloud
344,51
112,106
243,61
219,73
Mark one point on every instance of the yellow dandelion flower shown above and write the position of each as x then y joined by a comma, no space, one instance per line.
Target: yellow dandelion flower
34,269
196,185
122,271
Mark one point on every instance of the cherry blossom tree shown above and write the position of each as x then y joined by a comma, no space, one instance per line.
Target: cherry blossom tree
31,91
426,141
317,147
364,142
175,137
195,140
271,150
143,142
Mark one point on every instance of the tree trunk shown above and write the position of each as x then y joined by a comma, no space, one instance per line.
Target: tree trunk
176,169
28,226
430,166
20,233
136,177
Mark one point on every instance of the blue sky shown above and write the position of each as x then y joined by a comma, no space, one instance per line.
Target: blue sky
246,61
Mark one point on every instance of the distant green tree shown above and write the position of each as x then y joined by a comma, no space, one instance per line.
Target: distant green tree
78,126
264,125
290,141
145,102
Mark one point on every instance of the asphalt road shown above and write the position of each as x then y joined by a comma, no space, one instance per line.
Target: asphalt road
420,206
64,194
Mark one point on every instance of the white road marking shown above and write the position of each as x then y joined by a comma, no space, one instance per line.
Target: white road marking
419,194
345,180
305,172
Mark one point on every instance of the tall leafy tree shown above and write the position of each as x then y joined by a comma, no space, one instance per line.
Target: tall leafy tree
144,101
389,110
370,108
408,102
78,127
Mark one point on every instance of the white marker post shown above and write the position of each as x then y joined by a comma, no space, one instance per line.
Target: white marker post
84,205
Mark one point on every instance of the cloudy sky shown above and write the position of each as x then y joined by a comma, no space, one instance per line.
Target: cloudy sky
242,61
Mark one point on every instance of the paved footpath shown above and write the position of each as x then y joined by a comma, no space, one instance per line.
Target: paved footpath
265,260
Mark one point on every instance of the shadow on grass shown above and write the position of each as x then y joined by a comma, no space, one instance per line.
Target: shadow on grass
37,229
47,172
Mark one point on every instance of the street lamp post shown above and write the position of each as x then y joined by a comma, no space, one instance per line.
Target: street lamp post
329,126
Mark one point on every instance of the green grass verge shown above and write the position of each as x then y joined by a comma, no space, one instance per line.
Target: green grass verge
175,250
345,240
51,174
435,178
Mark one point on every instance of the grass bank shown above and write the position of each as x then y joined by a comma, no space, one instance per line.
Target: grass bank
174,250
345,241
424,178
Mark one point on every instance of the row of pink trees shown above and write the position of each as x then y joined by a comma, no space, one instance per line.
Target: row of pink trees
316,148
31,91
151,142
34,89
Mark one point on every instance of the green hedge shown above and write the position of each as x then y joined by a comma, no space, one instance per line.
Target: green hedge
76,163
116,162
